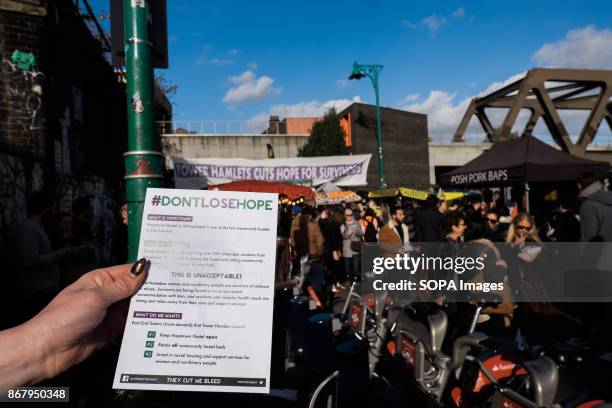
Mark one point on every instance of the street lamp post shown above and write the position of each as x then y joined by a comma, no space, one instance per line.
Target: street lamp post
372,71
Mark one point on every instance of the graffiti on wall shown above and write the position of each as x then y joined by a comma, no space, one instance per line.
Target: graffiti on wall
12,195
25,86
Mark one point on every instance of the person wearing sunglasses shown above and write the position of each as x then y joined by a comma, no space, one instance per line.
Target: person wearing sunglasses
522,230
351,244
495,230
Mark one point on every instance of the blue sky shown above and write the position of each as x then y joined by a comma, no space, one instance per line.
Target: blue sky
240,60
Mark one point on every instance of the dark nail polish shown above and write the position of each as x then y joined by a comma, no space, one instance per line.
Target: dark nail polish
138,267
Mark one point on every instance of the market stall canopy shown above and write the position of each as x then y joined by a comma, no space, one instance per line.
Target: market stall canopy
336,197
291,190
410,193
328,187
525,159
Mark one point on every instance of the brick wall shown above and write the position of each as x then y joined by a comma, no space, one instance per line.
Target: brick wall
63,119
21,99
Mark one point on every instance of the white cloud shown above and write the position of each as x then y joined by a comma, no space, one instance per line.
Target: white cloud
431,23
459,13
202,60
409,98
234,52
312,108
249,88
444,112
306,109
220,61
584,47
434,22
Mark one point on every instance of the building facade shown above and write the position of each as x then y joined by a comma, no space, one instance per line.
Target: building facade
404,139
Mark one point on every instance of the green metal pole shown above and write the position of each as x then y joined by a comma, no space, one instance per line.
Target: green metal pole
360,71
374,79
143,161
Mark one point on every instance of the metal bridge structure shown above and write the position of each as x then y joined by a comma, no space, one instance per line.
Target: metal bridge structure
544,92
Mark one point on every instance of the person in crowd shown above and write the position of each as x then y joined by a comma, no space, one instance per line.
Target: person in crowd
454,226
323,218
496,320
453,206
522,230
442,207
429,221
395,232
596,226
62,231
495,231
541,321
564,224
333,248
496,199
308,240
487,198
37,261
385,213
351,244
284,220
410,217
306,235
369,226
475,220
78,322
595,210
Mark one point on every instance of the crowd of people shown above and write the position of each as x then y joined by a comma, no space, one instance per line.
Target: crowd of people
331,237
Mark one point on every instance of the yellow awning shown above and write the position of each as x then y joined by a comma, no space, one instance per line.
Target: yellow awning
387,192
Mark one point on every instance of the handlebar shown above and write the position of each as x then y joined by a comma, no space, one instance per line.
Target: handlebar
462,345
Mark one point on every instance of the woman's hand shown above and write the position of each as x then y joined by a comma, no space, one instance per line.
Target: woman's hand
81,319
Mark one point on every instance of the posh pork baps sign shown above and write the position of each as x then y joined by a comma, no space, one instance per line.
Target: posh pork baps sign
479,177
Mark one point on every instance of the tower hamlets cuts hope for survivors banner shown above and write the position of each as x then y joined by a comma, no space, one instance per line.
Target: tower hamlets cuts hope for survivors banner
343,171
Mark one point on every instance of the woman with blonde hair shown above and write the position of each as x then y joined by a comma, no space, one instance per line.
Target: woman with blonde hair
522,229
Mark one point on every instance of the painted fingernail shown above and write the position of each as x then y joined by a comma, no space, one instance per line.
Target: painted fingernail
138,267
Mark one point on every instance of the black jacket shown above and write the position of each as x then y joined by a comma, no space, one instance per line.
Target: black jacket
429,223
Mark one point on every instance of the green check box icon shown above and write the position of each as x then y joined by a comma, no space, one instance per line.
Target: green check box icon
150,344
151,334
148,353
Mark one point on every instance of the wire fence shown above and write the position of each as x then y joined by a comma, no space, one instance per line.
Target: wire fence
602,139
221,128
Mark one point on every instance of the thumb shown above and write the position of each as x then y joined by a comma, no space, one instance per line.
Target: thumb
125,284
